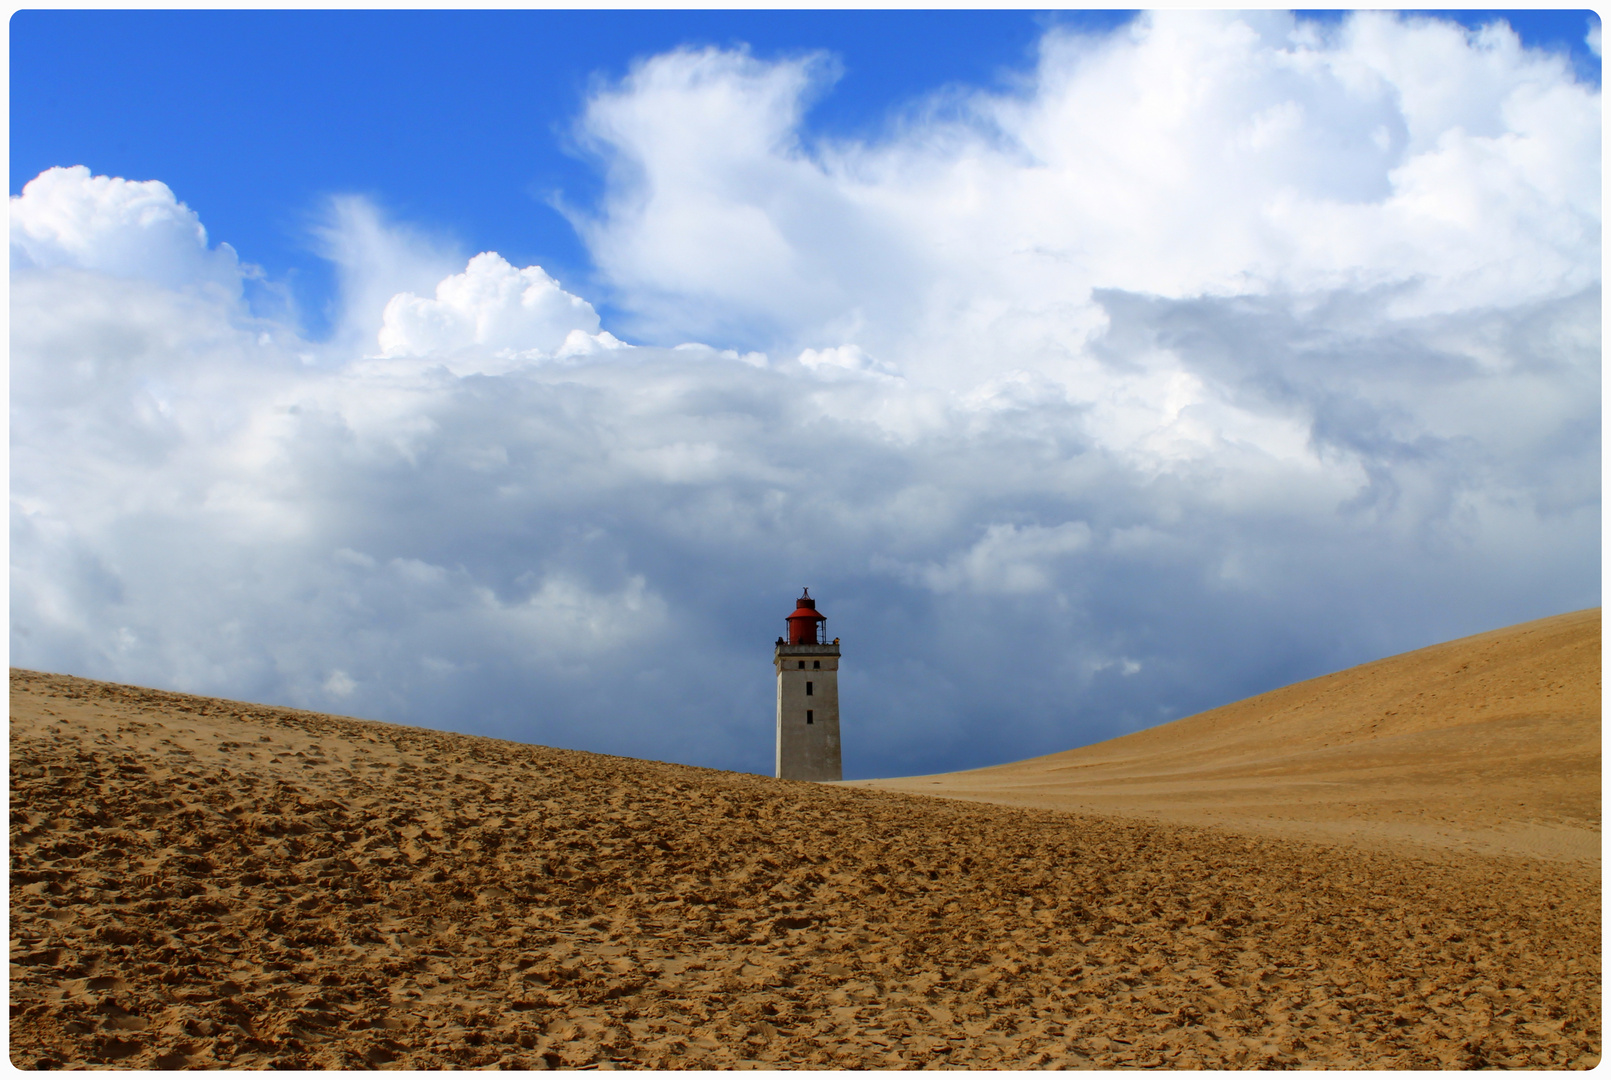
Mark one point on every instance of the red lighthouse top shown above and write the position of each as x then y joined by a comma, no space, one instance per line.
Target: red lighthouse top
807,626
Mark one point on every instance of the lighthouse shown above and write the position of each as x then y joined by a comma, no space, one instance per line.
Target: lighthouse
808,696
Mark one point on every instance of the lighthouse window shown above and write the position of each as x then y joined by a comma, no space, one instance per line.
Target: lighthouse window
808,716
816,663
802,665
808,689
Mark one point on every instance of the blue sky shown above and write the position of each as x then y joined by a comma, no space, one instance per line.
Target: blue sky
461,122
1093,369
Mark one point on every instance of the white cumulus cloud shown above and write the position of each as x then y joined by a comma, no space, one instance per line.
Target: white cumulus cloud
1222,351
65,217
491,305
1186,154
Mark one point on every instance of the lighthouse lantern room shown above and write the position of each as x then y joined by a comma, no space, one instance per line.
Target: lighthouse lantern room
808,696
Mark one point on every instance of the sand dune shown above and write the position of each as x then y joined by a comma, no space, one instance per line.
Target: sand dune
204,883
1486,744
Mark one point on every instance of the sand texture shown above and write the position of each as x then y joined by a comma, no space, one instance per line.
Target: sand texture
204,883
1489,744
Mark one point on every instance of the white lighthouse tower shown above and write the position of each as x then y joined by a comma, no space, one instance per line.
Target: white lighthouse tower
808,697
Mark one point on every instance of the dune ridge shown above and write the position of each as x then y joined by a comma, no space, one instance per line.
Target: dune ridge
1490,743
200,883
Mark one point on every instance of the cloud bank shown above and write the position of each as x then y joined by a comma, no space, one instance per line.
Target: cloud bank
1222,352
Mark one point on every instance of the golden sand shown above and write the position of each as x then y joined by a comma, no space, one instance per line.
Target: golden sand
205,883
1487,744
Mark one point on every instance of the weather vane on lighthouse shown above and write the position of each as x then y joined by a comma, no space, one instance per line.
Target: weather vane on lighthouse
808,696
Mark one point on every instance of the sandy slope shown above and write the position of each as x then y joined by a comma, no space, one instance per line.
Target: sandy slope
1486,744
204,883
